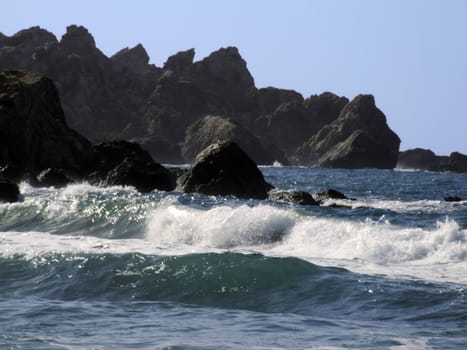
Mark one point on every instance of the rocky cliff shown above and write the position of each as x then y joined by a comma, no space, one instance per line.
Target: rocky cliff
165,108
425,159
33,132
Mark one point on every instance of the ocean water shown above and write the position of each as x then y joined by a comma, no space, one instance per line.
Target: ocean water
85,267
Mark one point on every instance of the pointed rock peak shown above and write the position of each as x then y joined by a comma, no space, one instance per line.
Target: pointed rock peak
180,61
227,64
361,105
77,39
136,55
36,35
226,54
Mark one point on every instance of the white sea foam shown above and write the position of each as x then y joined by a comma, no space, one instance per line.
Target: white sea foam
221,227
365,246
368,246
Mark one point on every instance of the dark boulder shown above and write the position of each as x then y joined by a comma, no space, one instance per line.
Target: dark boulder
9,191
293,197
225,169
125,163
213,129
359,138
33,132
144,176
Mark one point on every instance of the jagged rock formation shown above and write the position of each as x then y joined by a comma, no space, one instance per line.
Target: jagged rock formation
358,138
125,97
225,169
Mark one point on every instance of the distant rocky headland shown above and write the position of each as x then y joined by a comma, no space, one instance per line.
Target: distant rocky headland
177,110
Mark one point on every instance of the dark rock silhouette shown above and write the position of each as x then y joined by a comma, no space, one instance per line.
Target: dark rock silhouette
225,169
126,97
453,199
358,138
293,197
457,162
9,191
419,158
33,133
423,159
125,163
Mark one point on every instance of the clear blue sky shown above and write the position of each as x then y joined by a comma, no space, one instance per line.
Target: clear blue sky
410,54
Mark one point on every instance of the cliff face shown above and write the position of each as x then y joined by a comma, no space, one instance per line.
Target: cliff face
125,97
33,132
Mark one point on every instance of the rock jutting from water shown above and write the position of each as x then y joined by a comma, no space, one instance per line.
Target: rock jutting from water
425,159
224,169
170,109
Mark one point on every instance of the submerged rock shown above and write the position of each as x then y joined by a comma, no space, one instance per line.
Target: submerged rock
225,169
330,194
453,199
293,197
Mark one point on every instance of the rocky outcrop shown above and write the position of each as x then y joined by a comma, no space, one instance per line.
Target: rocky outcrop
423,159
457,162
225,169
126,97
9,191
358,138
293,197
419,158
214,129
33,133
127,164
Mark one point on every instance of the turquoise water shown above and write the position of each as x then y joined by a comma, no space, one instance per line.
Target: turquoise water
98,268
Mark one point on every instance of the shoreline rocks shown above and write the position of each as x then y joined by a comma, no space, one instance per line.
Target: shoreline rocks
224,169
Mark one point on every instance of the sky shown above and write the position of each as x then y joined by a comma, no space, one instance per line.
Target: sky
410,54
